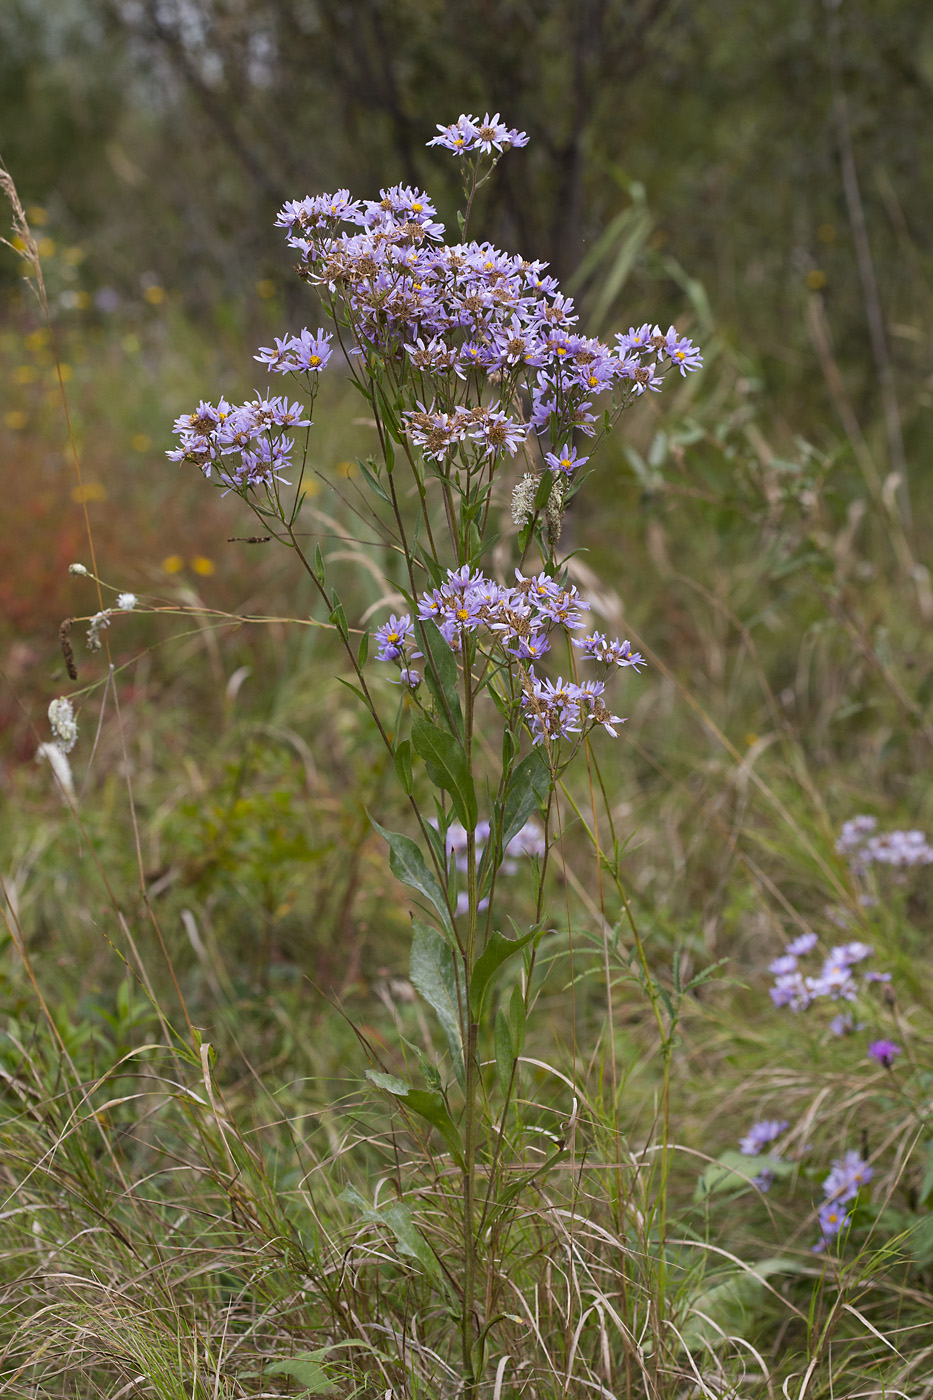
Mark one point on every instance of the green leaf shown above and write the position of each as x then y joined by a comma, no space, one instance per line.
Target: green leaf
339,618
441,676
408,1237
447,767
497,951
397,1216
390,1082
718,1309
526,793
363,652
355,688
517,1019
433,974
373,481
505,1056
407,864
545,487
403,765
733,1171
306,1370
427,1103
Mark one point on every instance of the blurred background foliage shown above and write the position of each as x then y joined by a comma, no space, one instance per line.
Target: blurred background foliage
164,134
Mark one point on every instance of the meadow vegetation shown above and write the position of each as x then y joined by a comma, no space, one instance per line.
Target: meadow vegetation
712,1156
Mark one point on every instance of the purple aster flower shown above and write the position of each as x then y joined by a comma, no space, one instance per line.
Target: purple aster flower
565,461
529,648
899,848
884,1051
843,1024
760,1134
831,1218
783,965
764,1180
643,377
393,636
491,134
789,990
459,137
500,433
638,340
854,832
599,648
834,981
848,954
802,944
682,352
846,1178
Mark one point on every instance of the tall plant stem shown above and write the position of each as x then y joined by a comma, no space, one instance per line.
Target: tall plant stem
471,1069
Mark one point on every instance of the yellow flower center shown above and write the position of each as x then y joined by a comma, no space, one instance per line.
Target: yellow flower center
463,614
417,208
315,359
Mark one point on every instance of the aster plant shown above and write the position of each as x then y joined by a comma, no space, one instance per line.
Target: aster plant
482,389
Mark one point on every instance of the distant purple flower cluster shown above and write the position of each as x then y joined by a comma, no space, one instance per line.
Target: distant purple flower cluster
849,1174
529,841
213,438
863,845
516,621
756,1140
835,979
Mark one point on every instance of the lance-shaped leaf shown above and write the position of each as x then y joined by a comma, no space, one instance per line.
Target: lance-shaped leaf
447,766
408,1237
441,675
526,794
407,864
498,949
433,974
427,1103
505,1054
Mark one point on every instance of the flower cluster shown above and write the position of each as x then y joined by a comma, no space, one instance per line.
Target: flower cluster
528,841
471,324
835,979
468,134
863,845
516,621
848,1175
754,1142
244,444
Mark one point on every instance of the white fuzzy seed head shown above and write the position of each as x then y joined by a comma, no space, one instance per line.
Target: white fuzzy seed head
54,756
77,569
523,499
64,726
126,602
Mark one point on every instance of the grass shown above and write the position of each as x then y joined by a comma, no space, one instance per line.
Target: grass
202,1194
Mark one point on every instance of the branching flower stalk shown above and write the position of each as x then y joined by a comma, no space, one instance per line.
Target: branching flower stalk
468,358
